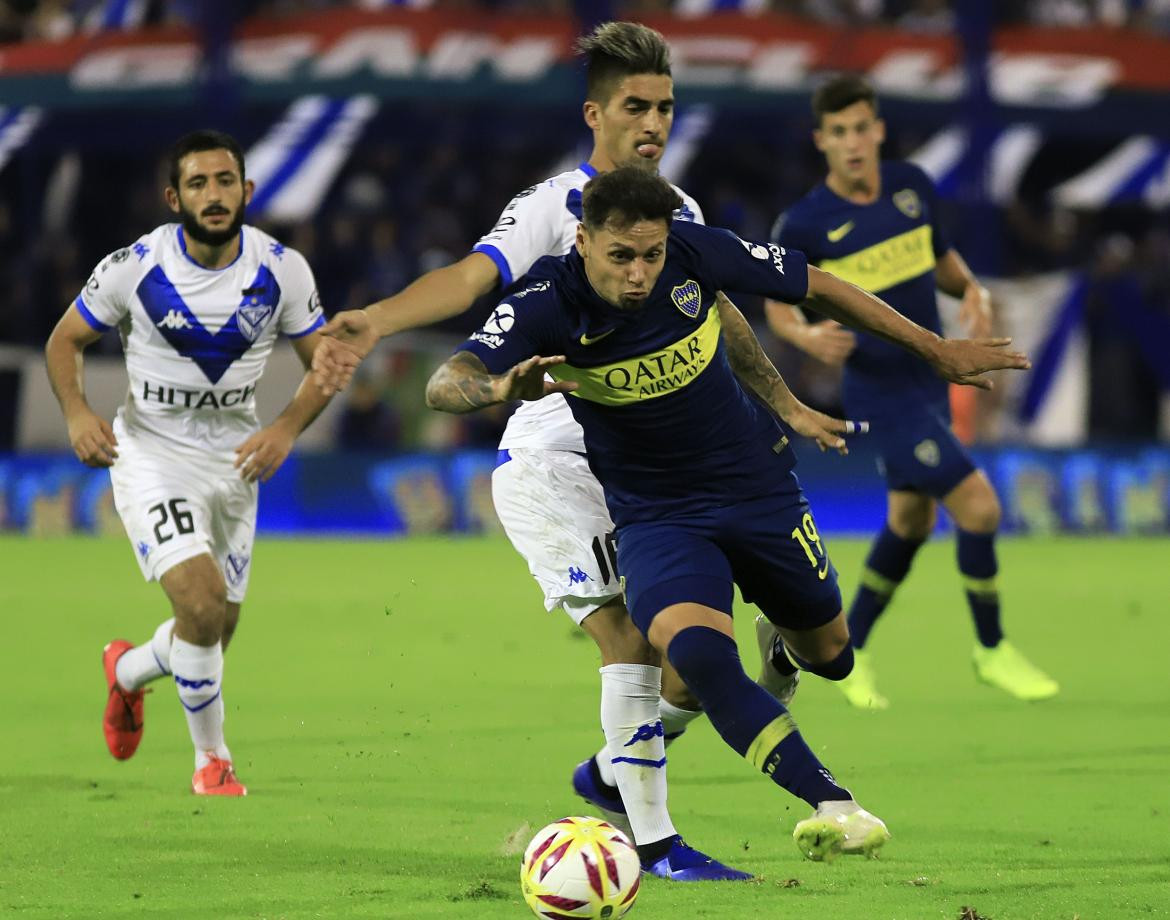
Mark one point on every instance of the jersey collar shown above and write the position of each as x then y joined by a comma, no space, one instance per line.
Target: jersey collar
183,248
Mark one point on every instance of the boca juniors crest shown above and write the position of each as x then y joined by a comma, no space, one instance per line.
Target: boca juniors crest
687,298
907,202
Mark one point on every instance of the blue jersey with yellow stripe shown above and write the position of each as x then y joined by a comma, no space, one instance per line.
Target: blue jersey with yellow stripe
668,429
889,248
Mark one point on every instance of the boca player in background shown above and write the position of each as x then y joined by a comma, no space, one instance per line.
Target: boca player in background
877,224
198,305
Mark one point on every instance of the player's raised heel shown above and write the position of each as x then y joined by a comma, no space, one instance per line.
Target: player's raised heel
122,720
686,864
1006,668
587,784
217,777
840,827
781,686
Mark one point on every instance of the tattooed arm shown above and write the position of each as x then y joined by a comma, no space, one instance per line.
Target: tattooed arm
463,384
758,374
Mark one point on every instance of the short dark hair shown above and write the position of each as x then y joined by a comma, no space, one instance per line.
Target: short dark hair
197,142
840,93
629,194
615,50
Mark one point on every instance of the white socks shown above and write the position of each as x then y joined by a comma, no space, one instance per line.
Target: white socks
675,719
198,671
674,722
637,753
146,662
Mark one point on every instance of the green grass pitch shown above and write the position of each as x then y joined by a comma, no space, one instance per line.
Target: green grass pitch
405,716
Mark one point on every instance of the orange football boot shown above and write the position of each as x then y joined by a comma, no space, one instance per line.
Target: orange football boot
217,778
122,723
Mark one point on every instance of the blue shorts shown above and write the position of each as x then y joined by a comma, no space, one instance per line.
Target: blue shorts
768,546
918,452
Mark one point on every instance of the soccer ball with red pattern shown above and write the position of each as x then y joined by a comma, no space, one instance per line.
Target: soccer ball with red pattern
580,867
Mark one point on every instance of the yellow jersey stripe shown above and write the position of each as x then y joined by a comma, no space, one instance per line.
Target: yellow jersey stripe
765,742
647,376
885,264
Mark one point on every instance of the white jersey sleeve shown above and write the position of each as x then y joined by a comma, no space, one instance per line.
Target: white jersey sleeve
530,227
300,304
105,300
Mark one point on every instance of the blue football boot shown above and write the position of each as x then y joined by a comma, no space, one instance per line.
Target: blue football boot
686,864
587,784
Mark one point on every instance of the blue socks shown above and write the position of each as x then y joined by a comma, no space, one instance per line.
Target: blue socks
747,717
886,566
979,568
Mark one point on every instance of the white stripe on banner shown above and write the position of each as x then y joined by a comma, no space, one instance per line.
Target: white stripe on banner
686,137
690,8
1099,184
1157,191
1010,154
940,155
295,163
16,127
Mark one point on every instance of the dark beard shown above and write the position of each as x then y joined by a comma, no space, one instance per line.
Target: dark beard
201,234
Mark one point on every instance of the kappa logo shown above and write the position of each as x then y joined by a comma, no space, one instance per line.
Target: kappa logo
908,203
578,576
687,298
173,320
647,732
501,320
927,453
835,236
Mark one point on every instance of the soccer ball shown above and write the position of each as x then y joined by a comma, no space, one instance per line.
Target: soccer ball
580,867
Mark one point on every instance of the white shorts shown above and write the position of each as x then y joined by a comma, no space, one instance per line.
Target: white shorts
553,510
175,507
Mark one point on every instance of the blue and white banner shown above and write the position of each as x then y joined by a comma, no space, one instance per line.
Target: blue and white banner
116,16
1136,172
17,124
295,163
1011,153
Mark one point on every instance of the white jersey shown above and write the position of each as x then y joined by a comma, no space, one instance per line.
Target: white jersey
542,221
196,339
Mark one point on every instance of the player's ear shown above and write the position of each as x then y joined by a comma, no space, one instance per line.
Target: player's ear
581,240
171,194
249,189
818,137
592,112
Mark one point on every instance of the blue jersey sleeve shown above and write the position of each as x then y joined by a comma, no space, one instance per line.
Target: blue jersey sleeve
522,325
728,263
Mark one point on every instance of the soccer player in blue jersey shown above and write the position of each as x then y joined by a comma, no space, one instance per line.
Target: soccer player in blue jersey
697,475
199,304
877,225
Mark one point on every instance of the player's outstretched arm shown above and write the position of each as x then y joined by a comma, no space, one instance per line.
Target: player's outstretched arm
829,342
436,296
263,453
757,373
463,384
90,435
964,361
954,277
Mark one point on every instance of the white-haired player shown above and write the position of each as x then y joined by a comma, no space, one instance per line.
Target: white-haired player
198,305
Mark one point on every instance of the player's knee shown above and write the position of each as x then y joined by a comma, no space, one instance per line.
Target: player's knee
981,515
201,615
916,523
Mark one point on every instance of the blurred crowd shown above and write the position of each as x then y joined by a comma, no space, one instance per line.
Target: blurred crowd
53,20
412,198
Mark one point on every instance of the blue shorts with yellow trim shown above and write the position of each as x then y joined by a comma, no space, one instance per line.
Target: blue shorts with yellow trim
768,546
918,452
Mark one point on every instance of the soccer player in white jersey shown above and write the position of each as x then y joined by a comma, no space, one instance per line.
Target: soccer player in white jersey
552,508
198,305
